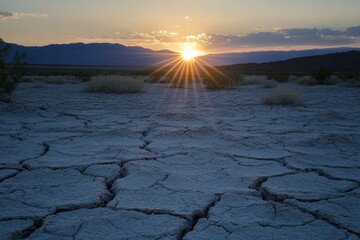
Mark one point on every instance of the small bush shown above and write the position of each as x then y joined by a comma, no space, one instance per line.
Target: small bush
220,81
278,76
322,76
283,96
352,82
259,80
115,84
351,79
9,78
306,80
352,75
293,78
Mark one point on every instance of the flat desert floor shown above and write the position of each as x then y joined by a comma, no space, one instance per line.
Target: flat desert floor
179,164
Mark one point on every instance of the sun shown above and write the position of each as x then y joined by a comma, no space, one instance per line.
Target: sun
189,54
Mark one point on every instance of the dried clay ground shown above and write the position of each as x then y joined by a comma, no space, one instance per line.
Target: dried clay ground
171,163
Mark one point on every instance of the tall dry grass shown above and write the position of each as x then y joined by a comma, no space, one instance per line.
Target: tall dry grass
115,84
284,96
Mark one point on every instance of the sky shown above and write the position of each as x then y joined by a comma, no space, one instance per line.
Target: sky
210,26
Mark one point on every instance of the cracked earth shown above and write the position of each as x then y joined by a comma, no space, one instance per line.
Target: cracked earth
179,164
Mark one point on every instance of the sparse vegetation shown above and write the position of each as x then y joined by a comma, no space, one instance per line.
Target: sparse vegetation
115,84
9,78
219,80
322,76
283,96
218,83
259,80
351,79
353,82
306,80
278,76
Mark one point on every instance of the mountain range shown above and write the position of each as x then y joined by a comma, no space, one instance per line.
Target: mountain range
106,54
335,62
94,54
268,56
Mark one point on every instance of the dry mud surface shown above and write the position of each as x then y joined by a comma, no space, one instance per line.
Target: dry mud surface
179,164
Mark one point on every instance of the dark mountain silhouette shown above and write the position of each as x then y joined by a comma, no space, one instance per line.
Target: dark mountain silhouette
105,54
337,62
94,54
266,56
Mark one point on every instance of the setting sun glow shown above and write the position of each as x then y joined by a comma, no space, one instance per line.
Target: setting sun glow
189,54
187,68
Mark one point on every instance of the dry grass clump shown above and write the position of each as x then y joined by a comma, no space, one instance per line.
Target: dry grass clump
278,76
259,80
305,80
221,81
115,84
311,81
352,82
293,78
283,96
351,79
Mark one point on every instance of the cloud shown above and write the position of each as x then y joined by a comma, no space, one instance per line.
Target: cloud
353,31
188,18
289,38
279,38
4,15
15,16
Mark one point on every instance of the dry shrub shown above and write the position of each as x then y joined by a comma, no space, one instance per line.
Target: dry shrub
306,80
334,79
350,79
259,80
269,84
292,78
283,96
115,84
322,76
278,76
352,82
220,81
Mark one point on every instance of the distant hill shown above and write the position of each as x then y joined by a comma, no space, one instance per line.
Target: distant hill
94,54
106,54
337,62
267,56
